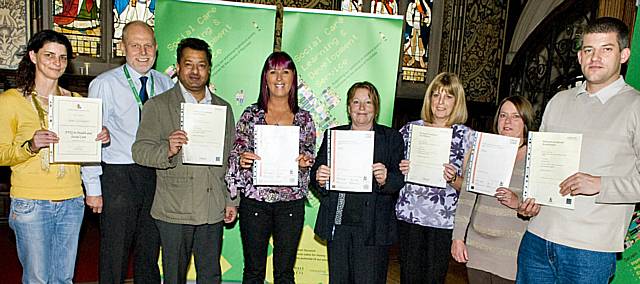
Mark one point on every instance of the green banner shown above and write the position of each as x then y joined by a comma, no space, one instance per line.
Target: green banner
628,267
633,70
332,50
241,37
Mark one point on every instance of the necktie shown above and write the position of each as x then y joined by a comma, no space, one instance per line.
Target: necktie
143,90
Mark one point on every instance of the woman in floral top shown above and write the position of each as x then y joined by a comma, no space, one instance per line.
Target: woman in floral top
426,213
267,211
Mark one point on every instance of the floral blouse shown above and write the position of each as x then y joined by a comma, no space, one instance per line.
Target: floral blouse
239,179
433,206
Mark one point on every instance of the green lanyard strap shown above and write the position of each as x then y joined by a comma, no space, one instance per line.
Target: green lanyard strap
136,93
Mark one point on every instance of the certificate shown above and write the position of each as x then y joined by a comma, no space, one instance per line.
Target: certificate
491,162
77,122
278,147
205,128
350,153
428,150
551,158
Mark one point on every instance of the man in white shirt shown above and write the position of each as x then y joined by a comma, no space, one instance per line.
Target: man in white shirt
118,188
580,245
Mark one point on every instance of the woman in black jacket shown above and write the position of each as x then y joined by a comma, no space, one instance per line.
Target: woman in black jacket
360,227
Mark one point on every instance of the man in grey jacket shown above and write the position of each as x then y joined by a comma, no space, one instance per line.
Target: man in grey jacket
191,201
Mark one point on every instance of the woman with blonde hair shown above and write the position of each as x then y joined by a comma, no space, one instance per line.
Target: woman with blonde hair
426,213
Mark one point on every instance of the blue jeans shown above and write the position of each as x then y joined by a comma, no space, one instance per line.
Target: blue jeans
47,238
541,261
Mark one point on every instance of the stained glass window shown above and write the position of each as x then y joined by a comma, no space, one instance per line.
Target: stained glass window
125,11
416,39
80,21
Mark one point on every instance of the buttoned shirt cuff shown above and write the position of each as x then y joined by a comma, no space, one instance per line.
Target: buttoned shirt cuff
93,189
232,202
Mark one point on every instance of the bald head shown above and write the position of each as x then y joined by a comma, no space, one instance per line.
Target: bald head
138,26
139,45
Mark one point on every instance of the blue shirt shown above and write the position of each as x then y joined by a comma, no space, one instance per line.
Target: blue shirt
120,115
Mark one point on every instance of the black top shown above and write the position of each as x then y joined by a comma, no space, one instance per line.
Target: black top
374,211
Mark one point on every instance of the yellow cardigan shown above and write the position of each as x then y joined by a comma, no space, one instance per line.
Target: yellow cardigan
18,122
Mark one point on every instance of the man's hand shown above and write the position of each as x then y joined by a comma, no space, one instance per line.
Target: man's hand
230,213
104,136
459,251
580,183
176,140
95,203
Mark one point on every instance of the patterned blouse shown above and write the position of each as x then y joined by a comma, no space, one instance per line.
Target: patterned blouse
433,206
239,179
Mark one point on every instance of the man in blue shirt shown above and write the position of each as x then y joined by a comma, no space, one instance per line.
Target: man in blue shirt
118,188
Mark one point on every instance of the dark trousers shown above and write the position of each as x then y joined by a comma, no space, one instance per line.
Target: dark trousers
126,223
482,277
258,222
351,261
179,241
424,253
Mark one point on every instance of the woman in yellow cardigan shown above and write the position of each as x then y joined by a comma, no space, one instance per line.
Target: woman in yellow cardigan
47,202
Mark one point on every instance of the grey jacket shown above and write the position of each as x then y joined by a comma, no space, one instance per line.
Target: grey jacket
185,194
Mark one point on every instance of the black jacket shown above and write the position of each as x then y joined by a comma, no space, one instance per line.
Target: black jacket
379,208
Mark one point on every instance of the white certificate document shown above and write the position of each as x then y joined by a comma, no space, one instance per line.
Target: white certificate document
551,158
77,122
350,156
205,128
491,162
278,147
429,149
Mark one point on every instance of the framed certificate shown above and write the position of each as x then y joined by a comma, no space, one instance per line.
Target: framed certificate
278,148
205,128
350,156
77,122
551,158
428,151
491,162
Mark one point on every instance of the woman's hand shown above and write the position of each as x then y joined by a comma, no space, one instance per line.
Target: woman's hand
322,175
529,208
247,158
404,166
459,251
450,173
507,198
380,173
104,136
304,161
41,139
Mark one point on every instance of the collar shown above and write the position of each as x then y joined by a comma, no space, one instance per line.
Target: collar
605,93
188,97
135,76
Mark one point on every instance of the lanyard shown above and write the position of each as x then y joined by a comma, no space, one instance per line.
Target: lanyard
133,87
